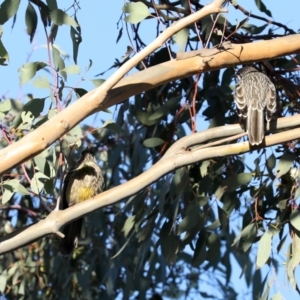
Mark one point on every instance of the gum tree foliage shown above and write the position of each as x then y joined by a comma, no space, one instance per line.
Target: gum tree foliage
182,236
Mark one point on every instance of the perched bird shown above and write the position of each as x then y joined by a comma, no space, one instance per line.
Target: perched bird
253,93
83,182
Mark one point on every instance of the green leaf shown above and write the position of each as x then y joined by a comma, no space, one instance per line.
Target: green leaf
227,77
3,52
253,29
165,109
35,106
190,220
41,82
57,60
219,191
214,225
223,218
248,232
265,295
72,69
119,35
3,61
59,18
127,54
207,26
264,249
80,92
8,9
293,260
112,126
204,167
169,242
233,182
297,193
53,32
277,296
143,116
285,163
97,82
52,4
11,271
202,200
15,277
89,66
153,142
76,40
32,109
12,186
3,280
73,137
181,38
271,161
257,285
27,119
260,5
281,243
295,219
7,195
31,20
28,70
129,223
137,11
22,190
214,247
38,181
200,251
21,290
44,166
4,108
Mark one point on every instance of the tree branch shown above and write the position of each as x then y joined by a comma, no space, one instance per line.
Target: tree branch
38,140
96,100
180,154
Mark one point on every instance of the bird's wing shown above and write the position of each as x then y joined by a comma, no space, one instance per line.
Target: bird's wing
240,99
64,201
271,101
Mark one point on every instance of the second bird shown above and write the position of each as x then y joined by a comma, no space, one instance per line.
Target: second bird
83,182
255,93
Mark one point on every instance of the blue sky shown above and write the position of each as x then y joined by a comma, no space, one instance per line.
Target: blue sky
99,31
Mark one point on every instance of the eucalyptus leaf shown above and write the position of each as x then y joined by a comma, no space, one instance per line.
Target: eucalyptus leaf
153,142
137,11
264,249
59,18
8,9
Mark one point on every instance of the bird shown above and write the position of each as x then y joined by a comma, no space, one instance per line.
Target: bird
81,183
255,98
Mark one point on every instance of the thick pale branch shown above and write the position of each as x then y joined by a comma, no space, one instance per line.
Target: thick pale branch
175,69
50,131
46,134
180,154
41,138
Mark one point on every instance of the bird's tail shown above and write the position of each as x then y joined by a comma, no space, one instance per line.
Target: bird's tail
255,125
70,241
